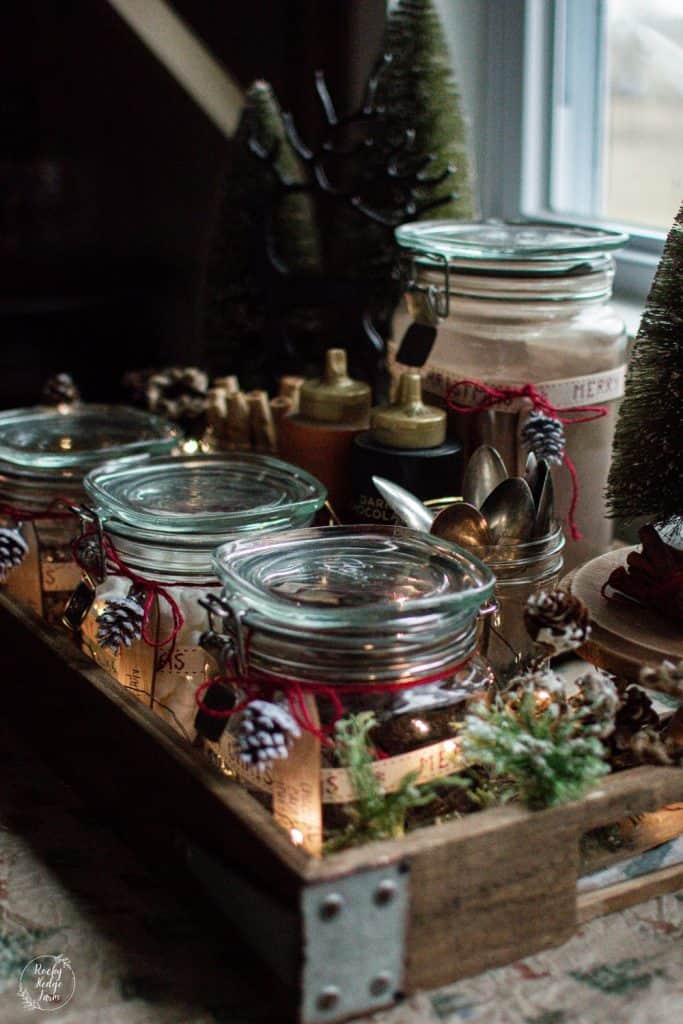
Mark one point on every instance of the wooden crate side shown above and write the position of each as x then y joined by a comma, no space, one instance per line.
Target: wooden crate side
627,894
490,899
500,884
129,760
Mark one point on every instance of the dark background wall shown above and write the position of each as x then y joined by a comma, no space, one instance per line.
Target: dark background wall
108,172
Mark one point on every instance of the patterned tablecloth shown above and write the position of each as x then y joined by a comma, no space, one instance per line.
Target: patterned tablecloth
138,953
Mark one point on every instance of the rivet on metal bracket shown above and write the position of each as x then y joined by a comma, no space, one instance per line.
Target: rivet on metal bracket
385,892
328,998
380,984
331,906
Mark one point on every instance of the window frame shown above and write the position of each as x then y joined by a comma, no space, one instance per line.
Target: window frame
539,92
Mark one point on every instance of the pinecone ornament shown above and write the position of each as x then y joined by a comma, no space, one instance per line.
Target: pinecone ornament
667,678
547,686
544,436
13,548
635,715
180,393
120,622
557,620
61,390
266,732
599,700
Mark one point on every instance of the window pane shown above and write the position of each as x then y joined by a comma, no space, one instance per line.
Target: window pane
643,154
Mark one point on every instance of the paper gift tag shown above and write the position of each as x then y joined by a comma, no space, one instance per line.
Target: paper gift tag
296,788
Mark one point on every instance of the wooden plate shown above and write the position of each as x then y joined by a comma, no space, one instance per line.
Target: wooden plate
624,637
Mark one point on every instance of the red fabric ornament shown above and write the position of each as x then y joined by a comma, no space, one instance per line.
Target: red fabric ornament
652,577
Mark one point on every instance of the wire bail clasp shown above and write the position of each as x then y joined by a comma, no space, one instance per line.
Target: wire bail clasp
437,297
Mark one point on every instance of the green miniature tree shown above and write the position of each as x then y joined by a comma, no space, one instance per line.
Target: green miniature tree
646,476
419,94
256,224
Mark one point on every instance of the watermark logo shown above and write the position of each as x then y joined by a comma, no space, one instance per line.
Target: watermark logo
47,983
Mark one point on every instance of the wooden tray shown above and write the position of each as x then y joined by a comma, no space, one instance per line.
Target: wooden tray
359,929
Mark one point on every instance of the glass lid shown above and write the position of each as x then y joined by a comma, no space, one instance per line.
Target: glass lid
338,576
218,494
82,436
504,241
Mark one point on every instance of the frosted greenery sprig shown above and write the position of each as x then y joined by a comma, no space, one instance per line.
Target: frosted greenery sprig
548,746
375,814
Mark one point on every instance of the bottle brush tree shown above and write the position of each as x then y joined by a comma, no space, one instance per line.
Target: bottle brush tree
646,476
258,231
419,94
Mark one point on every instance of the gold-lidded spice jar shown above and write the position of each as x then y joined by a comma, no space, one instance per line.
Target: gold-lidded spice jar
44,454
318,437
406,444
330,621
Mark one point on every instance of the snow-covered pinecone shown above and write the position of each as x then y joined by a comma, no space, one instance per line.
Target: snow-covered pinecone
544,436
266,733
13,548
667,678
557,620
120,622
599,700
61,389
180,393
548,686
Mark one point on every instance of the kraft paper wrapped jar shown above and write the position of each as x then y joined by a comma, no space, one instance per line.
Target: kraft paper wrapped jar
509,305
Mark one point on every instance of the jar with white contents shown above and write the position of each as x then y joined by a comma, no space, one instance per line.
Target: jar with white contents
149,534
508,319
326,623
44,455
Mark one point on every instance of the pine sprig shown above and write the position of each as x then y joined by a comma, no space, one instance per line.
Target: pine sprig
375,814
551,751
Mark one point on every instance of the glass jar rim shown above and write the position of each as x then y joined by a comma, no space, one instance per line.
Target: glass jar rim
168,498
64,441
270,577
539,246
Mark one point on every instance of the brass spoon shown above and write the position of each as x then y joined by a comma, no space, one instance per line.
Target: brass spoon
510,511
485,470
462,524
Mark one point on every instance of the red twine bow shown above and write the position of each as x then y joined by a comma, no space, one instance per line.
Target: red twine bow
151,589
494,395
59,508
261,684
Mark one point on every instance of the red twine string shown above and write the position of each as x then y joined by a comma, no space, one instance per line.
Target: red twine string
151,589
494,395
262,684
59,508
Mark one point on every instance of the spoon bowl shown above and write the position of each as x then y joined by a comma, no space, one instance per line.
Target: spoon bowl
510,511
485,471
462,524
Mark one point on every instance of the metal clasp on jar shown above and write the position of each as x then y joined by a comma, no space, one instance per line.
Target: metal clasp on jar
231,644
437,299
